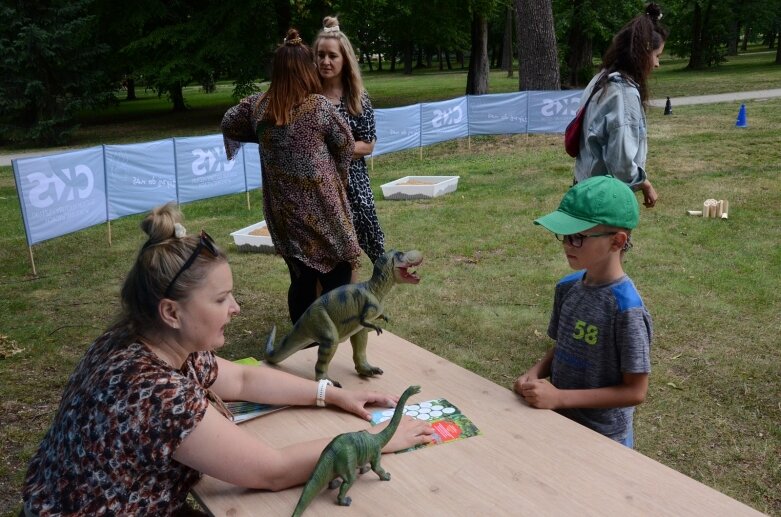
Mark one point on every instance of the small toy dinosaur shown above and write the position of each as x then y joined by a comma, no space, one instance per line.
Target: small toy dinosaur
346,312
348,452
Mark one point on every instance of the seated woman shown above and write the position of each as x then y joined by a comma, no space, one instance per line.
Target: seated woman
139,420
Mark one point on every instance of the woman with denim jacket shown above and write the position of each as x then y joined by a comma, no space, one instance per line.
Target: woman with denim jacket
614,139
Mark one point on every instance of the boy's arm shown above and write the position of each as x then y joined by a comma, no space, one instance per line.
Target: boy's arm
544,395
540,370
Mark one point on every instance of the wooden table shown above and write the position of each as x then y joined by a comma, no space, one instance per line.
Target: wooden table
526,461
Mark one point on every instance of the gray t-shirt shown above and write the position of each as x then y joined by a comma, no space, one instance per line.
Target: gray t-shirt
601,332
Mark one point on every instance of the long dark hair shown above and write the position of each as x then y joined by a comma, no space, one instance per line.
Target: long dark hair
630,52
293,78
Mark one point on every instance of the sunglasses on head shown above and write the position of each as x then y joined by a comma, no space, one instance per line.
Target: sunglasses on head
205,242
218,404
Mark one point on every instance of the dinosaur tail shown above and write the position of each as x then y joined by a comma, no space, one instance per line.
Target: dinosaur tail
296,340
320,477
386,434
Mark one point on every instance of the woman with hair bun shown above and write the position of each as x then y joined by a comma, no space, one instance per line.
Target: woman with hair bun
614,137
141,417
305,150
343,87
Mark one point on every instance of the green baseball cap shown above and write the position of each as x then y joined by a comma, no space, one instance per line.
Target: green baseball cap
597,200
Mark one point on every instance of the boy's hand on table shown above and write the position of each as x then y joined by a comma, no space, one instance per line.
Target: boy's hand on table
520,381
539,393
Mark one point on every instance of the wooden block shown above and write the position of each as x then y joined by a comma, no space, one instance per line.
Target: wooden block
709,208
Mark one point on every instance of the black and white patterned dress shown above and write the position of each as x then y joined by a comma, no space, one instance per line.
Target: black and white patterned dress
359,191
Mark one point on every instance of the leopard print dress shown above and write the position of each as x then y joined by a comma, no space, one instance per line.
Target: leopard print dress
359,192
305,178
109,450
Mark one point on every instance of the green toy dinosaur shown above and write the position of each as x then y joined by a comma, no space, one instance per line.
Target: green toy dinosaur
347,311
348,452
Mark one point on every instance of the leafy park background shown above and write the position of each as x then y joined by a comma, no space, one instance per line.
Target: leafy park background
60,58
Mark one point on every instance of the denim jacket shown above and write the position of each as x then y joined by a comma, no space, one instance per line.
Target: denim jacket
614,138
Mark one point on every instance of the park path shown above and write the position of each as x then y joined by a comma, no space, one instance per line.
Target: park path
719,97
5,158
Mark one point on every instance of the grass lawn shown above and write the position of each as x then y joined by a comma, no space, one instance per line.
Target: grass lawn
712,286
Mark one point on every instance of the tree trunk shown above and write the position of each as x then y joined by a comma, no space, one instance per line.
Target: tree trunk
580,52
746,37
703,50
177,97
284,16
379,61
507,42
460,58
130,83
419,60
408,58
439,58
734,37
393,60
477,77
368,59
695,52
538,66
778,49
447,59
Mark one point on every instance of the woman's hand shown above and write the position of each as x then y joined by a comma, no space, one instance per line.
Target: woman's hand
649,194
362,149
356,401
410,432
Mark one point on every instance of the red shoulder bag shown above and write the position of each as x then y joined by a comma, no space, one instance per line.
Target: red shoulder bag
575,127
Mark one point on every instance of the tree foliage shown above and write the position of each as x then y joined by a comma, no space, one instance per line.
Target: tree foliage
60,57
707,31
584,29
51,68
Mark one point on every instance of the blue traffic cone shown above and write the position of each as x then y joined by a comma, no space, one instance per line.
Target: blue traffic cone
741,122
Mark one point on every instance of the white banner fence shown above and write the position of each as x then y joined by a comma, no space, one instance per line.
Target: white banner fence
67,192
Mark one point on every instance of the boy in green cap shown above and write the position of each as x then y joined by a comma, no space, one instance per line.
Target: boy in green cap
600,363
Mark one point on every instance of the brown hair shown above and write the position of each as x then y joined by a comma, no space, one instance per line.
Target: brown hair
630,52
352,83
158,261
293,79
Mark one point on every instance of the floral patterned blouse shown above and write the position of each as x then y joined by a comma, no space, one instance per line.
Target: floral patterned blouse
304,168
110,448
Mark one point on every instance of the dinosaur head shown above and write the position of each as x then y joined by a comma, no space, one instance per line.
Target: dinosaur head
412,390
402,262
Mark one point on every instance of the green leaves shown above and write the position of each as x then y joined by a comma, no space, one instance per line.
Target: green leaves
50,69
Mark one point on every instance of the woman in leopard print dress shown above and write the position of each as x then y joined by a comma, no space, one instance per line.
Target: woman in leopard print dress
305,151
343,86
